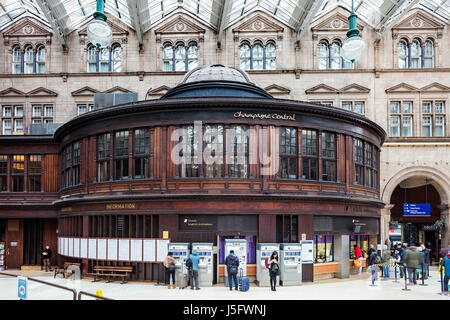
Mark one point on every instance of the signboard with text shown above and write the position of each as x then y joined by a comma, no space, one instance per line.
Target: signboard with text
416,209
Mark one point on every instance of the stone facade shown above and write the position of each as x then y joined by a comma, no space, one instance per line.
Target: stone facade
376,79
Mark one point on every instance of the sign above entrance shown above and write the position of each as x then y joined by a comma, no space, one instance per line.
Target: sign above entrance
416,209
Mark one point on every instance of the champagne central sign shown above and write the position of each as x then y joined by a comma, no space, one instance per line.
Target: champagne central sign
265,116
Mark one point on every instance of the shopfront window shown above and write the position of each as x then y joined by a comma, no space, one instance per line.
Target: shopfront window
323,248
362,241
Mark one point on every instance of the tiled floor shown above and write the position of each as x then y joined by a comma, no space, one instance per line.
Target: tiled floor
355,288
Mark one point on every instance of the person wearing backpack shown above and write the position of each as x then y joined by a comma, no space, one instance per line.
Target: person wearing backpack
232,263
385,259
374,259
193,274
411,261
274,269
169,265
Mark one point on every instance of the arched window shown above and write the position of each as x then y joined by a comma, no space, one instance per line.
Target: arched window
271,56
116,58
180,58
428,54
335,55
257,57
245,56
324,55
40,59
104,59
403,54
168,58
28,59
416,54
17,60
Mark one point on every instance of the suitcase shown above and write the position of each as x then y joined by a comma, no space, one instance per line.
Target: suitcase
183,281
243,282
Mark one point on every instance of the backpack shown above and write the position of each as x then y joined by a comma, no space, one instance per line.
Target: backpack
377,259
189,263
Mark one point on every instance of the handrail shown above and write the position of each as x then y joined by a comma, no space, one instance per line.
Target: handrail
91,295
45,282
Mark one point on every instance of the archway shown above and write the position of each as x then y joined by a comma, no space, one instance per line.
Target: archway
417,185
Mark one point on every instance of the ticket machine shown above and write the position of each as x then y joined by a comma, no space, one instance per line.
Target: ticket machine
180,252
264,251
290,264
240,249
205,265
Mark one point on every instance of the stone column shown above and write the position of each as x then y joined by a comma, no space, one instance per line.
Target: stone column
445,232
342,255
384,223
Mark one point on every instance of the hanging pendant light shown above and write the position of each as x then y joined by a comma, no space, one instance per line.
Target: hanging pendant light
354,45
98,31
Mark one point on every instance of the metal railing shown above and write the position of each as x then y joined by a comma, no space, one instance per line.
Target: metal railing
74,292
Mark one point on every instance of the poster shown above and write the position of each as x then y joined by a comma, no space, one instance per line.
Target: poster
307,251
101,249
92,251
112,249
161,249
124,250
136,250
83,249
149,250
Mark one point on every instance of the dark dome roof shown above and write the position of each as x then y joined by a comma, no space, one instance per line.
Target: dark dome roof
216,80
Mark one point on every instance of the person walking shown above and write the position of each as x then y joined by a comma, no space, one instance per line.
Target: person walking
169,265
358,256
385,259
273,270
193,275
373,260
401,253
232,263
46,256
445,262
411,261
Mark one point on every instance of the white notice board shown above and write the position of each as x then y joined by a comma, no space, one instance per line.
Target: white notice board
149,250
124,250
112,249
76,247
162,248
136,250
307,251
70,247
66,246
83,249
101,249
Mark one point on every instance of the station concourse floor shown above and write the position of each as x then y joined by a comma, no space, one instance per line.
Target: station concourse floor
354,288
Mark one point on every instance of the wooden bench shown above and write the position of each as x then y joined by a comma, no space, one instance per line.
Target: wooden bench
63,270
111,272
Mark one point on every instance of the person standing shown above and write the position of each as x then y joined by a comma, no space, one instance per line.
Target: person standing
401,253
411,261
373,260
169,265
232,263
385,259
358,256
424,259
445,262
273,270
193,275
46,256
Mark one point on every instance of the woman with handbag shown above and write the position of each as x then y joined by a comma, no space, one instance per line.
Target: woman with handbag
169,265
274,270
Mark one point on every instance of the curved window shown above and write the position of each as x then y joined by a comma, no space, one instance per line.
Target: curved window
17,60
245,56
105,59
168,58
28,60
239,153
324,55
40,60
428,54
335,55
288,153
180,58
403,54
257,57
328,156
271,55
416,54
309,155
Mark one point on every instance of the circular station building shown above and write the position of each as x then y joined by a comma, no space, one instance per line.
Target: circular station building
217,157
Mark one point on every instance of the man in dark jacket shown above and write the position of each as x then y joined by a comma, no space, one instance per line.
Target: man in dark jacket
232,263
46,256
411,260
425,260
401,253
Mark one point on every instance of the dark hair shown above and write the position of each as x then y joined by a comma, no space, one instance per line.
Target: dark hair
273,254
231,251
169,254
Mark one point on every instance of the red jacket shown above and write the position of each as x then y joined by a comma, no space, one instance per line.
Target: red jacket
358,252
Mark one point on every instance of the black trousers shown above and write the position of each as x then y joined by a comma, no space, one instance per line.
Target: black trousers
170,274
232,277
273,278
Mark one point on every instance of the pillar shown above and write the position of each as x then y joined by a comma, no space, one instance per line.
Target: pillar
342,255
445,232
384,223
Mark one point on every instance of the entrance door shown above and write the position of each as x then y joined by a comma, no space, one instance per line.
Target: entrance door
411,234
12,254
